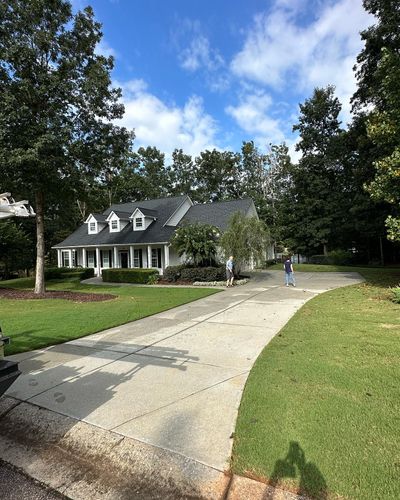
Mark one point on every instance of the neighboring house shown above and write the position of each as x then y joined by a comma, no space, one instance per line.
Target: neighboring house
138,234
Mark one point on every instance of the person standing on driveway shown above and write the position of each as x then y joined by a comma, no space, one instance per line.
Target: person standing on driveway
229,271
289,272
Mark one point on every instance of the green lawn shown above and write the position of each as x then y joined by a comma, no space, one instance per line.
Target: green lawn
321,409
33,324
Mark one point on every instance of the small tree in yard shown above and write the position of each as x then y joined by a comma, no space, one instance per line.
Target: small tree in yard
198,242
246,238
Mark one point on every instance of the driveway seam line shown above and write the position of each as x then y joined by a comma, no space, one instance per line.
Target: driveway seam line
178,400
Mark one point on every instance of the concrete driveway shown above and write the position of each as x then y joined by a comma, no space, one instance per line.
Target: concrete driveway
173,380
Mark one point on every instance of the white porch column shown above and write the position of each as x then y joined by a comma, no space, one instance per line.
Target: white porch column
84,261
148,256
166,256
59,261
115,263
131,264
98,263
70,257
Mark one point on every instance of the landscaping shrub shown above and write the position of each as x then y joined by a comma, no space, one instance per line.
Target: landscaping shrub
173,273
129,275
340,257
203,273
269,263
319,259
396,295
335,257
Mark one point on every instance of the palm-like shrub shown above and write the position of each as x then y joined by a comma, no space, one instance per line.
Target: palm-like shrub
197,243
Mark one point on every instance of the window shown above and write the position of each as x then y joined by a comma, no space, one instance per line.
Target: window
137,257
156,257
139,222
91,258
114,225
65,258
74,259
106,258
92,227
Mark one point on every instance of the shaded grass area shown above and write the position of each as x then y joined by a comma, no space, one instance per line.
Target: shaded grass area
321,409
33,324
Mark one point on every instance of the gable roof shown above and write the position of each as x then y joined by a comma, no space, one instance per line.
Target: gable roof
162,209
97,217
146,212
217,213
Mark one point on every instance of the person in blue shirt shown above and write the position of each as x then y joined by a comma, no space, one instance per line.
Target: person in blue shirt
229,271
289,272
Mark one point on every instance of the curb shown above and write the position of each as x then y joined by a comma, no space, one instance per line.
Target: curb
82,462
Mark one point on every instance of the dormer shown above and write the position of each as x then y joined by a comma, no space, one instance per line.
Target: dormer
95,222
117,221
142,218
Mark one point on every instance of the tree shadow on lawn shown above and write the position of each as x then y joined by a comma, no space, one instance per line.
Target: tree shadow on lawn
294,464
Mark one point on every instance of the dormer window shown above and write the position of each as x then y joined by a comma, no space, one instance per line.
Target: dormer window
92,227
114,225
139,223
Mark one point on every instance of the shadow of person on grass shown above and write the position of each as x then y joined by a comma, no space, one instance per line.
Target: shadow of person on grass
312,482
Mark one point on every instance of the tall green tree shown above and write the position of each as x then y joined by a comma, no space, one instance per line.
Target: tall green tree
218,175
378,75
56,105
183,176
316,192
16,249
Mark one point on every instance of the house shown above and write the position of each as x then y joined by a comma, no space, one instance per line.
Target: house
138,234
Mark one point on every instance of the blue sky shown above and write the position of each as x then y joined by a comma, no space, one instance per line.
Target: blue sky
198,74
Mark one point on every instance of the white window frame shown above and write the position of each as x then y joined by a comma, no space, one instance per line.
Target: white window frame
141,226
136,257
154,257
114,222
92,227
65,258
91,257
106,259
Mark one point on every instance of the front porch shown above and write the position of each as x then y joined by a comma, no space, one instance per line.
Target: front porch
157,256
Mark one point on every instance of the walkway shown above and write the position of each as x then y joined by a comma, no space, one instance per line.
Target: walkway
173,380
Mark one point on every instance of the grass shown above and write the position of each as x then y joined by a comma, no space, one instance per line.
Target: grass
320,412
34,324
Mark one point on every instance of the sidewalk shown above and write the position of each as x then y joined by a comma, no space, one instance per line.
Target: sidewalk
165,387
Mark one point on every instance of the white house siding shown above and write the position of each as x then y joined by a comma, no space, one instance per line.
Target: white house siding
179,213
174,259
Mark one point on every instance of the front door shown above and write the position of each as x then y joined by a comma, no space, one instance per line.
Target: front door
124,259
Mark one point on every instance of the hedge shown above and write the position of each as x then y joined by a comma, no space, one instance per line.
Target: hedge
129,275
173,273
203,274
54,273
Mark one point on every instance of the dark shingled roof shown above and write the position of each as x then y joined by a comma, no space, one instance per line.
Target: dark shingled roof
155,233
99,217
147,212
122,215
217,213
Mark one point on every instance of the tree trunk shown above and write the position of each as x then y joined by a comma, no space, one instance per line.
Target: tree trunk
381,251
39,282
325,249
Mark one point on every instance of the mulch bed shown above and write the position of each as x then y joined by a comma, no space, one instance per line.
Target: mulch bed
14,294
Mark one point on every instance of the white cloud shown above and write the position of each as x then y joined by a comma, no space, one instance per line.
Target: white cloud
252,115
103,48
200,55
167,126
282,53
